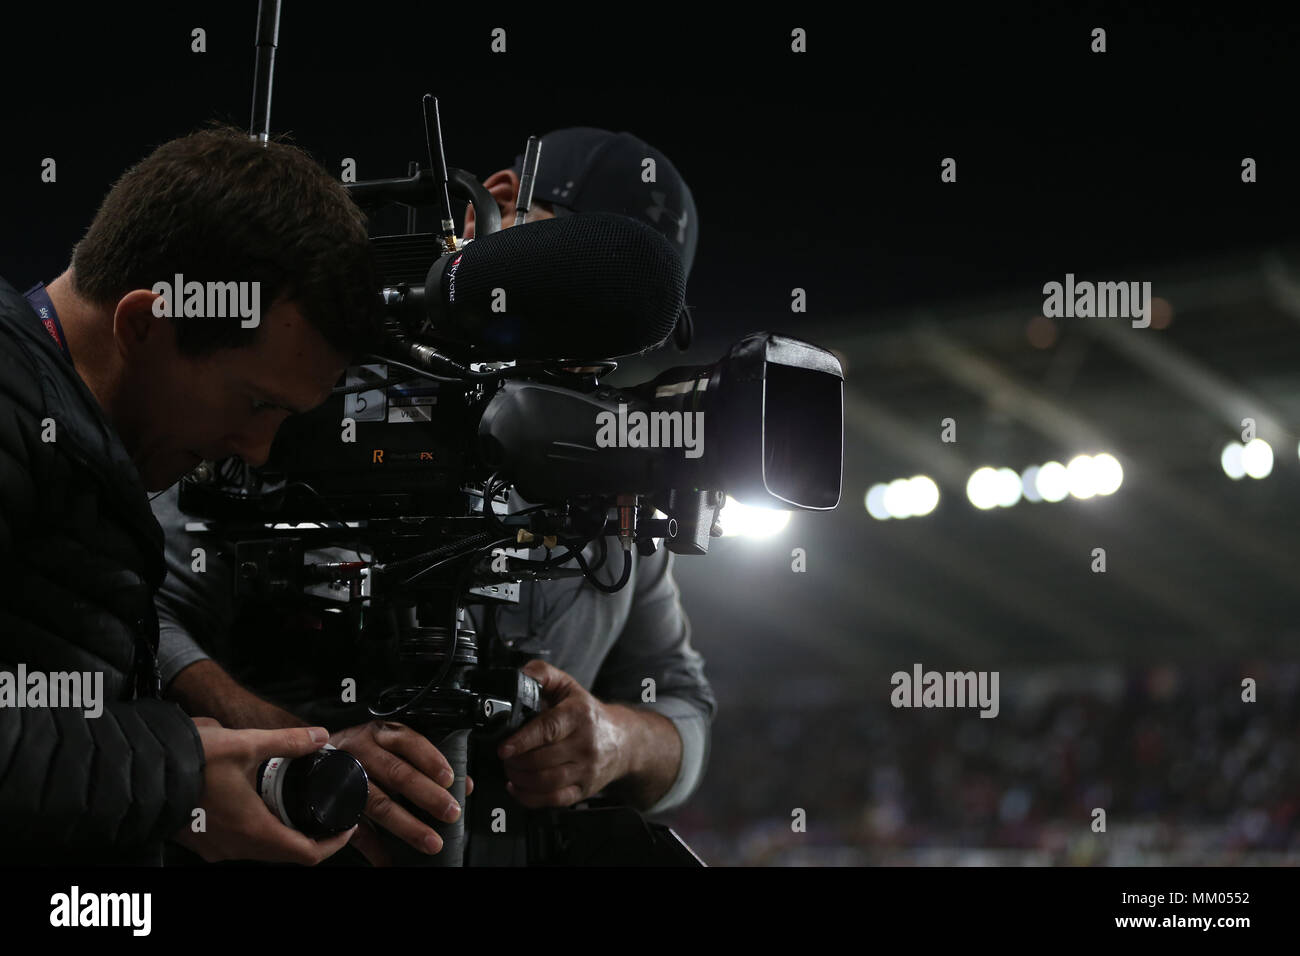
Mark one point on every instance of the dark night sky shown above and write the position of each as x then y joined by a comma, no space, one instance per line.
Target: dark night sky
819,171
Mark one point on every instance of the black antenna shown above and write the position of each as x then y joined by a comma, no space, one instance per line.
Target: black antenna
524,201
438,166
268,34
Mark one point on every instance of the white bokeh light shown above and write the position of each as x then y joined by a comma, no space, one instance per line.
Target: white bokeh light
1052,482
1029,484
876,502
1008,487
1257,458
982,488
902,498
898,498
1079,473
924,495
1230,459
1107,473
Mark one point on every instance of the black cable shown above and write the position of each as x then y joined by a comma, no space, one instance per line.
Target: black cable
456,548
453,557
378,359
452,549
600,585
461,579
604,553
465,377
550,562
489,492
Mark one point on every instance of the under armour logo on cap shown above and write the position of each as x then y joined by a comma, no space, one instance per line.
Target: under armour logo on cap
658,209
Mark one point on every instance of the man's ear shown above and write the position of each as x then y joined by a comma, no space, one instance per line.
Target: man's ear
504,187
137,329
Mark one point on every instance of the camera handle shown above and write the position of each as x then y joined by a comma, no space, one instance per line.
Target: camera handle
488,701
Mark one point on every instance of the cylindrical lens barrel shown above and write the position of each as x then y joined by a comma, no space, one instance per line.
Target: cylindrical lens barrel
320,794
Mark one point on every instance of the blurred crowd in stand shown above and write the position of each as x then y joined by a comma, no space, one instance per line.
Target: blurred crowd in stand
1185,771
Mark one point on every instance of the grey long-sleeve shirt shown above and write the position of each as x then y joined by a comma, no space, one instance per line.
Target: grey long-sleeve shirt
610,643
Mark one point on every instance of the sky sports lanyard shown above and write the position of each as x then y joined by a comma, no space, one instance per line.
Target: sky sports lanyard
40,302
148,680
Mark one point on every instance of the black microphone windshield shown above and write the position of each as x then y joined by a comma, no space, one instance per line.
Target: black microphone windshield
594,285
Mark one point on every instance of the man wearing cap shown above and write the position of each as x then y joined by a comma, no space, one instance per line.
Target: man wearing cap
583,169
628,705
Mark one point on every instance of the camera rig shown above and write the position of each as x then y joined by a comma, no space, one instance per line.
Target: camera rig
406,468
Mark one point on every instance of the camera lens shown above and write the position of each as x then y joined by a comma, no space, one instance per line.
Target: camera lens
320,794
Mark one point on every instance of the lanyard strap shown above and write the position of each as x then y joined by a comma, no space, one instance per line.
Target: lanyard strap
148,682
40,302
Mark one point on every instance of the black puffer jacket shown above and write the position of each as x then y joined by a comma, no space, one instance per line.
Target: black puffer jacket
80,559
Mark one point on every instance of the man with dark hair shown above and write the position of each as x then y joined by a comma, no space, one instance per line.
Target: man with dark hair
599,731
110,388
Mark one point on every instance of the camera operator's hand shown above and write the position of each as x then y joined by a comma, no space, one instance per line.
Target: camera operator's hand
576,747
238,824
400,760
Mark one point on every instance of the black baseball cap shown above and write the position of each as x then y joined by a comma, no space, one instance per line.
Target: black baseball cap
585,169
